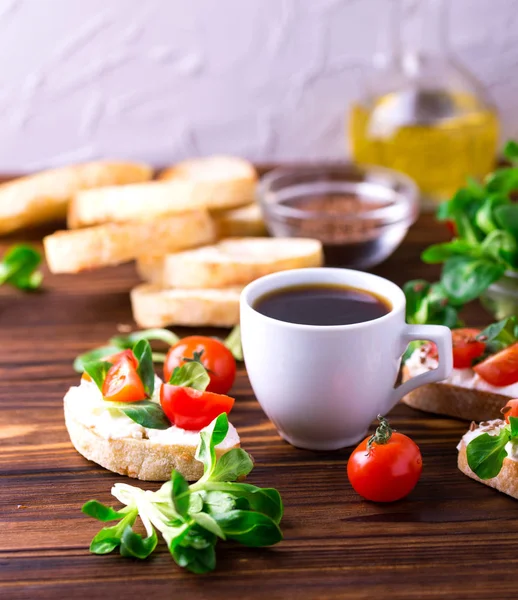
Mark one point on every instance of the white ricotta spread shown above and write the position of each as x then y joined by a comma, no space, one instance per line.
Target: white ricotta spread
419,363
86,404
491,428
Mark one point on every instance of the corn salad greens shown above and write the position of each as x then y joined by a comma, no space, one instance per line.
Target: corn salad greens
125,342
19,267
191,518
484,219
486,243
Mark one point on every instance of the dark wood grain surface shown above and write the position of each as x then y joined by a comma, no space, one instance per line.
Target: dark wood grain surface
452,537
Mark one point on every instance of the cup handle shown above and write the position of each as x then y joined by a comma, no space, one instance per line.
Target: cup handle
441,336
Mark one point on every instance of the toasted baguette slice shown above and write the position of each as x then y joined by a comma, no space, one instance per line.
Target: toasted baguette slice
506,481
113,243
118,204
145,459
221,181
236,261
44,197
455,401
156,307
246,221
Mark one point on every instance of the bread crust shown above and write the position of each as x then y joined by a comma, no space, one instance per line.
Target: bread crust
506,481
140,459
455,401
44,197
231,262
115,243
156,307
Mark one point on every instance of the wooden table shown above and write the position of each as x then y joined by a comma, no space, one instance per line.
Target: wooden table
452,537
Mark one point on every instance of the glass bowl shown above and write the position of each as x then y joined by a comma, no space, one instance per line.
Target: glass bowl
360,213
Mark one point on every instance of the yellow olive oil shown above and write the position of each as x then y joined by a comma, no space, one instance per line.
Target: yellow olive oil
436,137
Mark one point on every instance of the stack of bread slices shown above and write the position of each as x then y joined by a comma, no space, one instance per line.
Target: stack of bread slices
194,233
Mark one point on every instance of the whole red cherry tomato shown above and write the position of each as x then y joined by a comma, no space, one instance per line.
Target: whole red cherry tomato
386,466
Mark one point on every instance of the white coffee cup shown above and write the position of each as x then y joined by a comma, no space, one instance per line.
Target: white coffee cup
322,386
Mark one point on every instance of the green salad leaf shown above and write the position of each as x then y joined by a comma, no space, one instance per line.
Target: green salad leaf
191,518
146,413
192,375
500,335
233,343
142,352
486,453
19,267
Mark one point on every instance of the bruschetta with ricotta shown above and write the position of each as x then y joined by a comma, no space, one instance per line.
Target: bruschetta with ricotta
484,377
124,418
488,452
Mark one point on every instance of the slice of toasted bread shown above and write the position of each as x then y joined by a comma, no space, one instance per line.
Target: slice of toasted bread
221,181
246,221
114,243
506,481
156,307
139,458
455,401
236,261
44,197
118,204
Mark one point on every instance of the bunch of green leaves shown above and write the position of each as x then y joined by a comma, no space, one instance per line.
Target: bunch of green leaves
486,242
19,267
499,336
191,518
123,342
144,412
486,453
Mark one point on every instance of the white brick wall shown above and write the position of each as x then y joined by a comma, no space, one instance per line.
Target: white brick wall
164,79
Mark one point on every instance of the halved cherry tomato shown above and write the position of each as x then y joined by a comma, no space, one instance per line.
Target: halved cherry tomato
386,466
213,355
122,383
192,409
510,410
500,369
466,347
114,359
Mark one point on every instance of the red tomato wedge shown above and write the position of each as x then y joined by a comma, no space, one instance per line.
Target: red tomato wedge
122,383
115,358
192,409
510,410
215,357
500,369
466,347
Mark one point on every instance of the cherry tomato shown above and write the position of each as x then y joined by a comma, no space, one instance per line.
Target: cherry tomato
192,409
386,466
115,358
213,355
122,383
465,347
510,410
500,369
